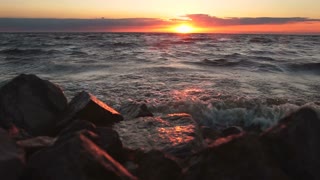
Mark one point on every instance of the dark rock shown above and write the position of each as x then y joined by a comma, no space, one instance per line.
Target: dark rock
209,133
295,143
155,165
77,158
106,138
234,158
85,106
35,144
11,158
109,140
134,110
177,134
233,130
77,125
32,104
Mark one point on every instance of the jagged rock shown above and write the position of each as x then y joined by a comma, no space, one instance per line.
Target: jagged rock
233,130
104,137
209,133
11,158
295,143
85,106
77,158
109,140
77,125
234,157
134,110
177,134
156,165
32,104
35,144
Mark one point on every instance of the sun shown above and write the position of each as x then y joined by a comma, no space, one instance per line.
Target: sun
184,28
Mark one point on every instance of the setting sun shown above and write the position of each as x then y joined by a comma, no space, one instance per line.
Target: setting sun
184,28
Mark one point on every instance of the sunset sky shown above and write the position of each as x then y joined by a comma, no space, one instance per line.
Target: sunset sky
229,16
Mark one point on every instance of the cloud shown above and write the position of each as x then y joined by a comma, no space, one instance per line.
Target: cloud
132,24
207,20
31,24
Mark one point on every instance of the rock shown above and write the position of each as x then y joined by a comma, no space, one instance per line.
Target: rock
233,158
77,158
35,144
32,104
77,125
295,143
85,106
11,158
177,134
209,133
109,140
233,130
134,110
106,138
156,165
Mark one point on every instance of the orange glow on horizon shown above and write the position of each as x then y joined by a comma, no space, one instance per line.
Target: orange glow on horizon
184,28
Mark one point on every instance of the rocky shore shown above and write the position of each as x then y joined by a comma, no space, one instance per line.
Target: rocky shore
43,137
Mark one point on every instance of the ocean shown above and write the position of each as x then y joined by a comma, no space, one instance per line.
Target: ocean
220,79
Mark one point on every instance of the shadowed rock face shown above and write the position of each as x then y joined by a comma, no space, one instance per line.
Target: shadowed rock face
234,158
156,165
11,158
76,158
85,106
295,143
177,134
32,104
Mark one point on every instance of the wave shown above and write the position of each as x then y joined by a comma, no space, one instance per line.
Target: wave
27,52
124,44
260,40
253,113
306,67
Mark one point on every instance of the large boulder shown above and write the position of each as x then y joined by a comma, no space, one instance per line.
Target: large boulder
11,158
35,144
32,104
295,143
76,158
105,137
156,165
234,157
177,134
85,106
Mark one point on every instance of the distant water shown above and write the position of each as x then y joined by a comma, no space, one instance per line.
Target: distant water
219,79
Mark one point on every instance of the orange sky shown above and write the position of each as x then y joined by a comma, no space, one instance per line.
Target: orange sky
228,16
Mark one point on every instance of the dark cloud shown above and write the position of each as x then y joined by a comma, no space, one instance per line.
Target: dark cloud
207,20
56,25
27,24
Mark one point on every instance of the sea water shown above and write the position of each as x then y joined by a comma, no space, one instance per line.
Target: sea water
219,79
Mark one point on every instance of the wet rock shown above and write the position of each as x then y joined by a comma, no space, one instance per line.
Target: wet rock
233,158
11,158
32,104
109,140
134,110
295,143
77,158
35,144
177,134
209,133
85,106
106,138
233,130
156,165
